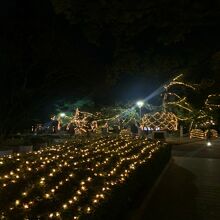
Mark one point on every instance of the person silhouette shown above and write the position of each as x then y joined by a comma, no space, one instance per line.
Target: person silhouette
208,135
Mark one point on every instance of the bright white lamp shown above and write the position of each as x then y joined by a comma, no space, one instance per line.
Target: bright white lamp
62,115
140,104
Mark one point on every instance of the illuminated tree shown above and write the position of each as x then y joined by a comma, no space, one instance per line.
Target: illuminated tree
185,111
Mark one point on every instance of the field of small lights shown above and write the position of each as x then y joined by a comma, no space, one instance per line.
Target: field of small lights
72,180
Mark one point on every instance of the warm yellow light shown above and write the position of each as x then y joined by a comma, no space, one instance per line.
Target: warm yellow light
65,206
26,206
70,201
47,195
88,209
95,201
24,193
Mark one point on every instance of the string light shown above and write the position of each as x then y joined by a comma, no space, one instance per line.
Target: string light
161,120
199,133
212,96
179,102
176,81
70,166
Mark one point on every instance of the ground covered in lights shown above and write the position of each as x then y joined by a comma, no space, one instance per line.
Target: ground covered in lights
72,180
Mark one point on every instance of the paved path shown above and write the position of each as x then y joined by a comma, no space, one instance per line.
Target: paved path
190,187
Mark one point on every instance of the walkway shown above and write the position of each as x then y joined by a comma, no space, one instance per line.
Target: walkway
190,187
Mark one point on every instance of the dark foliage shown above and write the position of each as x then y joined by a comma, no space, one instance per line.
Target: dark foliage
52,49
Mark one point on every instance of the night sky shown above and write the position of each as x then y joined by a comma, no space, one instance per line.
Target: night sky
107,50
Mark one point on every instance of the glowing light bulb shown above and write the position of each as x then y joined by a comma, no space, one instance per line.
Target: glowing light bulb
95,201
26,206
24,193
65,206
47,195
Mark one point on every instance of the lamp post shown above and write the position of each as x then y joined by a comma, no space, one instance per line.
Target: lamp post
140,104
